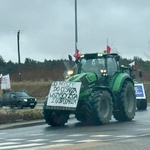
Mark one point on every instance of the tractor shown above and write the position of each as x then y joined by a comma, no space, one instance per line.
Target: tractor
140,91
95,89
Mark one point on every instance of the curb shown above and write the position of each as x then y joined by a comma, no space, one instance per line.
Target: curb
25,124
21,124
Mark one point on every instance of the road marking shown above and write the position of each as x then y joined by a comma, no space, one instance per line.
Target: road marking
63,140
100,135
36,134
125,136
74,135
8,143
20,146
16,139
88,140
38,140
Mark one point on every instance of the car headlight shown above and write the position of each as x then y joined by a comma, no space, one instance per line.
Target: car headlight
25,100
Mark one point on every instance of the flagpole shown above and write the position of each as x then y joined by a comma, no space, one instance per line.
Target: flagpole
107,42
76,28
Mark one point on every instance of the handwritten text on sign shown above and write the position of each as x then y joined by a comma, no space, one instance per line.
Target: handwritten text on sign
65,94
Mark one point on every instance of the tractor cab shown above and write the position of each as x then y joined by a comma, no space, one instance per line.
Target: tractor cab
103,65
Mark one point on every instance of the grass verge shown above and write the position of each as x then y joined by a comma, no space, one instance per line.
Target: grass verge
15,115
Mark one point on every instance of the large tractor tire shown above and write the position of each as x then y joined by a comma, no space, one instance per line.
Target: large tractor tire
102,106
126,103
54,117
141,104
1,105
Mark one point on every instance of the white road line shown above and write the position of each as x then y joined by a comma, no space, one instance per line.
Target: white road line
63,140
74,135
8,143
125,136
38,140
100,135
21,146
16,139
88,140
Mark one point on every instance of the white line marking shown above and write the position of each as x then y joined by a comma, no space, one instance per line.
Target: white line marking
63,140
37,140
125,136
8,143
21,146
88,140
77,135
100,135
15,139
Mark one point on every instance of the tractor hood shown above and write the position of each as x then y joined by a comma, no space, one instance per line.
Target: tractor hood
87,79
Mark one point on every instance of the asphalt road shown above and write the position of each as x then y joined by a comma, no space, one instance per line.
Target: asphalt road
133,135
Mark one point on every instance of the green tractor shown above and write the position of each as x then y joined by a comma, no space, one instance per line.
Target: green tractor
94,90
140,91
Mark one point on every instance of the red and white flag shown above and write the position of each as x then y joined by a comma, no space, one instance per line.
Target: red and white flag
76,55
1,77
108,47
132,65
5,82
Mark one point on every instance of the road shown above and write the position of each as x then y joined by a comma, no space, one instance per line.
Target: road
133,135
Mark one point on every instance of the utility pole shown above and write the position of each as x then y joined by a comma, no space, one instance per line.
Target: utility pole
18,43
76,28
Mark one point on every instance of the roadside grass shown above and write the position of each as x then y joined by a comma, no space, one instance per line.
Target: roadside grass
39,90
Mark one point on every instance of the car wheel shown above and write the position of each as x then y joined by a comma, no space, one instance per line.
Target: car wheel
32,107
19,105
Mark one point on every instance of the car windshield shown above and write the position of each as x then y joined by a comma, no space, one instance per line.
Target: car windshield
21,94
91,65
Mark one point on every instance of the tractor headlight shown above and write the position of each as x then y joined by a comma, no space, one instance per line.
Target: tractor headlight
70,72
99,54
104,72
82,55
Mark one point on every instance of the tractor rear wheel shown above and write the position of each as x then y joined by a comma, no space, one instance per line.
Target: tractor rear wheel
141,104
54,117
126,103
102,106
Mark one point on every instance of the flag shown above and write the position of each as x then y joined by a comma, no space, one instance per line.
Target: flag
5,82
132,65
108,49
1,77
76,55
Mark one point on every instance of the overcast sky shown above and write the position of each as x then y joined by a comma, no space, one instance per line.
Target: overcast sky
47,28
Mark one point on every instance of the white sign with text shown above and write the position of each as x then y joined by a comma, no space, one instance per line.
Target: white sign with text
64,94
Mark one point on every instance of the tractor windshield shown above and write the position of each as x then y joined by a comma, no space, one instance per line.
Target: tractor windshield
92,65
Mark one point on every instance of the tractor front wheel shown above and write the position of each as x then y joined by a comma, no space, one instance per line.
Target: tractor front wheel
54,117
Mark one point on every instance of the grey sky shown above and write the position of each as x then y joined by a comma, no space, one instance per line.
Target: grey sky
47,28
